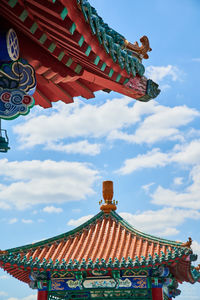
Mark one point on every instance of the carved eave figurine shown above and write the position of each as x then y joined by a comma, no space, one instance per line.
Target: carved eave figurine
141,51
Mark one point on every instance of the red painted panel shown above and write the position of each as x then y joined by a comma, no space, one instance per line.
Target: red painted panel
157,294
42,295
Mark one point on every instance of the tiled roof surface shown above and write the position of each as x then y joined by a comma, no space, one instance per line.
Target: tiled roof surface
105,241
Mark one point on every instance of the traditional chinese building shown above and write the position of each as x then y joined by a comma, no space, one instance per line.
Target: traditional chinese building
58,49
103,258
72,51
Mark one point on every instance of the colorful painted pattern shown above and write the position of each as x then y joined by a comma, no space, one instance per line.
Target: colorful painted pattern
17,84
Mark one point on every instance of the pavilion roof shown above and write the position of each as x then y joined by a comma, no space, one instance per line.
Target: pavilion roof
74,53
106,241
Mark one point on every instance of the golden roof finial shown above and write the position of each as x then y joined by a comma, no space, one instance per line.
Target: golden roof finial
108,196
141,50
188,243
3,252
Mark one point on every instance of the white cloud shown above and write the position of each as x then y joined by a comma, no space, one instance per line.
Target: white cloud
27,221
187,153
76,210
159,73
162,125
183,154
146,187
4,277
151,159
188,198
178,180
196,59
77,222
157,222
52,209
30,297
82,147
44,182
79,120
13,221
111,120
40,220
2,293
160,222
196,249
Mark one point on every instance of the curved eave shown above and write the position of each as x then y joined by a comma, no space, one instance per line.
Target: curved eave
195,273
76,64
145,235
106,241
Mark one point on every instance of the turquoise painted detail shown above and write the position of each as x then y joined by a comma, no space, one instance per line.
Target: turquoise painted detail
195,274
87,52
12,3
69,62
118,77
72,29
78,69
81,41
64,13
96,61
126,80
112,41
103,67
152,91
23,15
52,47
33,28
61,55
43,38
111,73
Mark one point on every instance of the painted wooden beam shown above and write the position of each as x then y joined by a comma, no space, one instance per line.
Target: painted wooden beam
157,294
42,295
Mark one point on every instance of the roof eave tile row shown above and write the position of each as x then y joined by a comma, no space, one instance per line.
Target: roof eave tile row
96,264
56,253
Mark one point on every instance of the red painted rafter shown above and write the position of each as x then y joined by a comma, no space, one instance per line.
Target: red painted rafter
54,73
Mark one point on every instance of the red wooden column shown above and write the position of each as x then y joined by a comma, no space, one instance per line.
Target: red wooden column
157,294
42,295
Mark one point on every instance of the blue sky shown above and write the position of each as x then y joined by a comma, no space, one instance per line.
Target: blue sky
50,180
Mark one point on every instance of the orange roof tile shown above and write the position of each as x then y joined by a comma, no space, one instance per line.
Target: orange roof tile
106,241
105,238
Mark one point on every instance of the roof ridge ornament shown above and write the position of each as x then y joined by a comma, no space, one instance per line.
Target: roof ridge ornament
109,203
188,243
141,50
3,252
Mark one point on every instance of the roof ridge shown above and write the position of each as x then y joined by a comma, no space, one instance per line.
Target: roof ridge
142,234
57,237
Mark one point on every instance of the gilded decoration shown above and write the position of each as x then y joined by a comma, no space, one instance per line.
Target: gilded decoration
99,283
133,282
65,284
57,285
74,284
188,243
62,275
141,50
136,272
109,204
